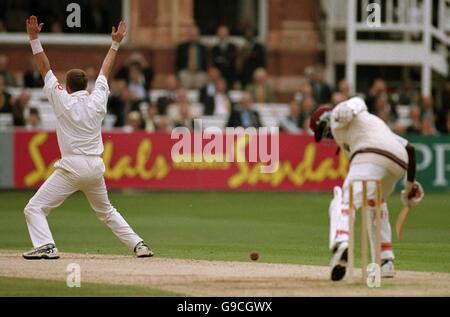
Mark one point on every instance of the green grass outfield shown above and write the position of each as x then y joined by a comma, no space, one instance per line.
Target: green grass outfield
37,287
283,227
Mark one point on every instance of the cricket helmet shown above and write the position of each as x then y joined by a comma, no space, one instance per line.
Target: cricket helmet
320,122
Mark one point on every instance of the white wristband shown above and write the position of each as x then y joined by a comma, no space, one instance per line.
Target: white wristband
36,46
115,45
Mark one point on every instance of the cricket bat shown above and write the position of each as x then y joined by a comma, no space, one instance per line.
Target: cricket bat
401,220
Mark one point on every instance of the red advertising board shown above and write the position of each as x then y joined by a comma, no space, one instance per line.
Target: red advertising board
141,160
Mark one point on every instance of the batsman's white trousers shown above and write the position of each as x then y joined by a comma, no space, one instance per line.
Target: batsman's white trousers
72,174
388,180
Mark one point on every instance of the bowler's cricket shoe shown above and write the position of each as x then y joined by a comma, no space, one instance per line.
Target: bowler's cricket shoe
387,268
142,250
338,262
48,252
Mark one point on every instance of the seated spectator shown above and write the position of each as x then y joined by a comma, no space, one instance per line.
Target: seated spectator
428,127
170,95
33,120
344,89
150,121
428,111
208,91
185,118
408,94
139,61
321,90
382,109
174,111
260,90
448,123
136,86
291,123
3,26
253,56
6,99
134,122
220,104
19,107
337,98
8,76
164,125
224,55
92,75
243,115
32,78
191,61
306,107
376,91
119,102
306,91
416,121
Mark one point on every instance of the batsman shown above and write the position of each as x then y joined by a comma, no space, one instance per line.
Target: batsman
375,153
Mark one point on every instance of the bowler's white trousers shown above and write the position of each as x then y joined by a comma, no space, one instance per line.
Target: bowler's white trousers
388,180
72,174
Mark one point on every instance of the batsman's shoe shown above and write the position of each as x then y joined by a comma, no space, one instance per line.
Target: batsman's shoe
387,268
338,262
48,252
142,250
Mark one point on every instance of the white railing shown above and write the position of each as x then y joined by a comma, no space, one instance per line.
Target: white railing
423,26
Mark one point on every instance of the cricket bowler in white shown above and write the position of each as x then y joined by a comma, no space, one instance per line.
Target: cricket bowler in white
79,121
375,153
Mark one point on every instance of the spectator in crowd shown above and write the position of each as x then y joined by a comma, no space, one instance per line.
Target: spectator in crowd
344,89
33,120
253,56
191,60
174,111
150,121
137,60
8,76
119,102
164,125
408,95
185,117
447,126
260,89
382,109
428,127
92,75
224,56
376,91
445,108
169,96
32,78
56,25
220,104
307,107
2,26
19,107
428,110
321,90
208,91
305,91
337,98
291,123
136,86
134,122
5,98
416,121
243,115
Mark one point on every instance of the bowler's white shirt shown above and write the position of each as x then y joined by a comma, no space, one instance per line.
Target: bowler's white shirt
79,116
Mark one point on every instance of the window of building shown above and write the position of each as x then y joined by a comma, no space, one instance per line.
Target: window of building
97,17
238,15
